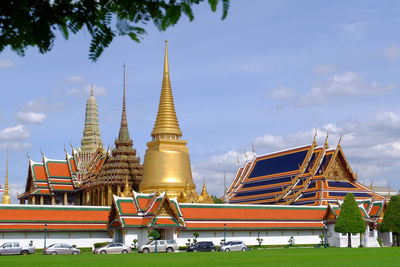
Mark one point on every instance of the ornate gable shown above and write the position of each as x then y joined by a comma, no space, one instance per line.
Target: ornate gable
339,169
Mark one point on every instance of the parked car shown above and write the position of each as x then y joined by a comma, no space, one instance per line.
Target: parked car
162,246
202,246
113,248
60,248
233,246
15,248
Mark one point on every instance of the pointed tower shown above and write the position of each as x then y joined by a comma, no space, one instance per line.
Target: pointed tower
6,197
91,139
122,170
166,162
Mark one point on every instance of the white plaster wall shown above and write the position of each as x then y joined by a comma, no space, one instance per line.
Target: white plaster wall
81,239
250,237
386,238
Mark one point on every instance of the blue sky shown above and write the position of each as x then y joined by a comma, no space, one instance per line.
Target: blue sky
268,75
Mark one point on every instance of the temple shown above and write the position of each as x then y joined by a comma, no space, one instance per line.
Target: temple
307,175
100,195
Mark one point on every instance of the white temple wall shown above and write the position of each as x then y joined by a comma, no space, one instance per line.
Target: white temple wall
387,238
80,239
274,237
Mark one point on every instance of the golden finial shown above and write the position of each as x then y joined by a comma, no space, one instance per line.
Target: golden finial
27,155
237,159
326,138
166,121
315,136
340,139
6,196
252,149
370,187
91,90
245,155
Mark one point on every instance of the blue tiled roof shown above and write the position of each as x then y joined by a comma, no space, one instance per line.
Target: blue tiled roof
258,192
268,182
280,164
343,194
341,184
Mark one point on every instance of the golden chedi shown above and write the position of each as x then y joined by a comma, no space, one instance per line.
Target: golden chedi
166,164
6,196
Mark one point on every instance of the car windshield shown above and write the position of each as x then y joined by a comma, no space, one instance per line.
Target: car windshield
52,245
150,243
229,243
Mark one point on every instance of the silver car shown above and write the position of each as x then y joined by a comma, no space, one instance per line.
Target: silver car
60,248
162,246
233,246
113,248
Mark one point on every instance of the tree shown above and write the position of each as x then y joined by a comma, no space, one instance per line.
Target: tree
350,220
216,199
391,219
154,235
27,23
196,235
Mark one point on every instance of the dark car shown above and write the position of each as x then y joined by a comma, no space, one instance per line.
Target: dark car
202,246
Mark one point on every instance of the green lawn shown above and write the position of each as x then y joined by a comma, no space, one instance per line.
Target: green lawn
270,257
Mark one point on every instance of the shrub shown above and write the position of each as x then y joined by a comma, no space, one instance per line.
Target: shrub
100,244
74,246
259,240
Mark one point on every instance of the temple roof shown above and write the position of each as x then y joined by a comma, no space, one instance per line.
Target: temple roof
164,212
306,175
58,218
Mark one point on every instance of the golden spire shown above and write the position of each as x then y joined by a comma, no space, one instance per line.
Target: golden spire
166,122
91,90
6,197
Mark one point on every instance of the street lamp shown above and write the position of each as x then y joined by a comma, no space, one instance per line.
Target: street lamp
45,235
224,233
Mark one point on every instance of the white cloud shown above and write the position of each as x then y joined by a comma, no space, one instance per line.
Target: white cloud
31,117
6,63
372,148
354,30
98,90
343,85
15,146
18,132
270,141
75,79
324,69
282,93
392,52
43,104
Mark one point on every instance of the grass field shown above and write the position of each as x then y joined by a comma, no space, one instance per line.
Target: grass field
262,257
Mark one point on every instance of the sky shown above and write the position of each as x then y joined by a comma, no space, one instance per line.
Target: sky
267,76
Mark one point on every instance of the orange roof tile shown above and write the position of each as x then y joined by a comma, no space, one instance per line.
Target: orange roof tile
58,169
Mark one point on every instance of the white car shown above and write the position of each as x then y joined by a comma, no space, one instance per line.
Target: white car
162,246
233,246
113,248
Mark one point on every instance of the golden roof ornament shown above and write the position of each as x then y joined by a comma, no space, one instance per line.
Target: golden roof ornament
6,196
166,122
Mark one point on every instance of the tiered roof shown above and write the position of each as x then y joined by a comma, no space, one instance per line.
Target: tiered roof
51,176
123,164
372,211
146,210
157,210
57,218
306,175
